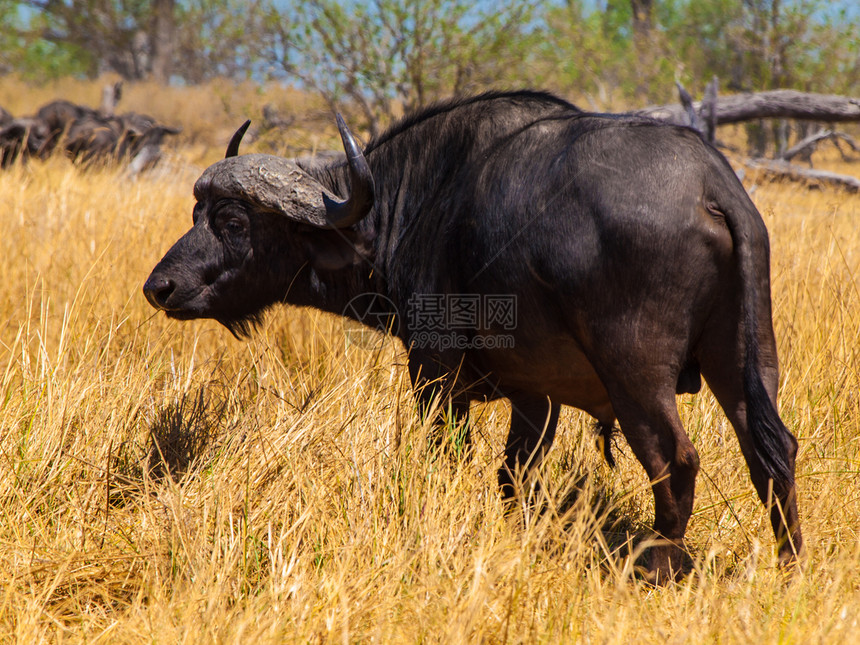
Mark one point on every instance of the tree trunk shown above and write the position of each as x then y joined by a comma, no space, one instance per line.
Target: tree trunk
642,10
111,94
163,39
642,23
709,109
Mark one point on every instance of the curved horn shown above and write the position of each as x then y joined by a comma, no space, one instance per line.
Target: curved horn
360,200
236,139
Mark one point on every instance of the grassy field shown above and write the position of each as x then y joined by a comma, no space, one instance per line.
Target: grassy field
162,482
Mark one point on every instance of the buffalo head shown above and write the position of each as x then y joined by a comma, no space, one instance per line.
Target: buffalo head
25,136
259,221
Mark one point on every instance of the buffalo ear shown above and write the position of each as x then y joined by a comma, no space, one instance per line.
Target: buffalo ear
335,250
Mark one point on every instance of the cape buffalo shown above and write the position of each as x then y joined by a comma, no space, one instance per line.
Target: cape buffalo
59,115
23,137
634,258
95,138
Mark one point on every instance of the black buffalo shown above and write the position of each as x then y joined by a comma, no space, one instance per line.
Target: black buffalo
23,138
58,116
95,138
87,135
634,257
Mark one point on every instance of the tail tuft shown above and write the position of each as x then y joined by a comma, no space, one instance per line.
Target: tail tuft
771,439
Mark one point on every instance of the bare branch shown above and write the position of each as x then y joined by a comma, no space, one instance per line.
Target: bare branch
687,104
809,143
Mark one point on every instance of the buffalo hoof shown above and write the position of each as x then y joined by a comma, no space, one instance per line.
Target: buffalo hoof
666,562
790,561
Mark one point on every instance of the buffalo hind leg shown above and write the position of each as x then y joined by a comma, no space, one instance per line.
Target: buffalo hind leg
650,423
533,422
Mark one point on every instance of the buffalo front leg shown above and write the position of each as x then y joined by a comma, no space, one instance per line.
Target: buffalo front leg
439,401
533,422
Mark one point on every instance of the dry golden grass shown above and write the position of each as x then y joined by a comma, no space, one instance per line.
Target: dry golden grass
162,482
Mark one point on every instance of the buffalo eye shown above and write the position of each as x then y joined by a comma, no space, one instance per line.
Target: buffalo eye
232,226
230,222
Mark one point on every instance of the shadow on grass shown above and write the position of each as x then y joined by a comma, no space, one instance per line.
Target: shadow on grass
181,434
619,532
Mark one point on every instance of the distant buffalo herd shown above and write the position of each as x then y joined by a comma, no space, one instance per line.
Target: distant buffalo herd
86,135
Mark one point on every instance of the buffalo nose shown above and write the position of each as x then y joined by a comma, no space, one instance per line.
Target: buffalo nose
157,290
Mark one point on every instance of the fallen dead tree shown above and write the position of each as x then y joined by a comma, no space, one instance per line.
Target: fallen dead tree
775,104
799,173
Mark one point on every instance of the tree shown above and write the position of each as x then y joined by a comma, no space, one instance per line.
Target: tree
218,38
388,55
639,48
384,56
108,35
29,55
8,17
136,39
810,45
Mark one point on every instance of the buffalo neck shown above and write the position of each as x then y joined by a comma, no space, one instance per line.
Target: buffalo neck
331,290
